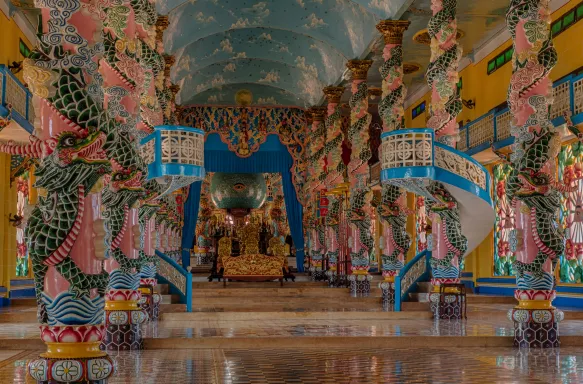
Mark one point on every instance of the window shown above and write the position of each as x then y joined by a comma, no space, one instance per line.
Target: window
24,50
418,110
500,60
568,19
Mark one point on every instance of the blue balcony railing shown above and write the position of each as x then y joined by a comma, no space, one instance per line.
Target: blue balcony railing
179,280
415,271
174,156
14,93
494,126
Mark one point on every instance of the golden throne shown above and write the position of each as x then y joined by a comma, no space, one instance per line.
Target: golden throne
252,266
250,240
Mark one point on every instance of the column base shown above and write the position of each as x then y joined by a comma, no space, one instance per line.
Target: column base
318,275
449,307
94,370
360,285
536,328
332,278
388,293
123,330
150,303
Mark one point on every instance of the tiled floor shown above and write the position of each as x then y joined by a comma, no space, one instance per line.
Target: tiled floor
351,365
308,327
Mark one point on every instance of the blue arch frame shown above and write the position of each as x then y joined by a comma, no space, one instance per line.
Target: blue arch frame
272,157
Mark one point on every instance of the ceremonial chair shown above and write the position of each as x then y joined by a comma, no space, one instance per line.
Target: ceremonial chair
279,250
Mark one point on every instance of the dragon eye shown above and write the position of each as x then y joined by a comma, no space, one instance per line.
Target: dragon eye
68,141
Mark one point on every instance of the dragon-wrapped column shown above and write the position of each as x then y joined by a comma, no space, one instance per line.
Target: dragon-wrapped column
317,170
63,232
149,205
130,67
392,209
531,186
336,170
449,244
361,241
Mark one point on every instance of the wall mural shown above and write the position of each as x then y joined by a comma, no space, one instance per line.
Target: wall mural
504,224
245,129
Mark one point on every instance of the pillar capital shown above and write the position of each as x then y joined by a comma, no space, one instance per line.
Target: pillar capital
393,30
169,61
359,68
174,88
319,113
162,23
333,94
309,116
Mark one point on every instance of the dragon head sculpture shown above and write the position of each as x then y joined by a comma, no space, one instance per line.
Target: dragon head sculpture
69,159
443,199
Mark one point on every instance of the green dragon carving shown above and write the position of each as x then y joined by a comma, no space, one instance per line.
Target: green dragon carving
395,216
362,222
531,182
446,208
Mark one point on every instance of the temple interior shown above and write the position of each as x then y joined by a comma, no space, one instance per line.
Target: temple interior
291,191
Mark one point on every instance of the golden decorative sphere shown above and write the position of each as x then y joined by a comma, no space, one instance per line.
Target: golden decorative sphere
243,97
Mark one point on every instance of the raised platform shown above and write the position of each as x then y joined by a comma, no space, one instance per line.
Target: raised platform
310,316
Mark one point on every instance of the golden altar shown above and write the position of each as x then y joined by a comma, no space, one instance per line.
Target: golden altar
251,265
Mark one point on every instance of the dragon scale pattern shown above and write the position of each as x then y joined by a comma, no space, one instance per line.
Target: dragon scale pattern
442,75
531,187
395,217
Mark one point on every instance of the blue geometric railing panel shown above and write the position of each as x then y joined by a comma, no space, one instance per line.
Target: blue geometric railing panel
178,279
15,94
415,271
412,157
174,156
494,126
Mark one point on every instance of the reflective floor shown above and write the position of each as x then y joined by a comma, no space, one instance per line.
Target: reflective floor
352,365
307,328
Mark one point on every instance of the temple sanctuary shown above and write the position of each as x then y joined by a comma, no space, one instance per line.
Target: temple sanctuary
291,191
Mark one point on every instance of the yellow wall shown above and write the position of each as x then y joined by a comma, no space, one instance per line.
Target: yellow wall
7,231
11,36
9,52
488,92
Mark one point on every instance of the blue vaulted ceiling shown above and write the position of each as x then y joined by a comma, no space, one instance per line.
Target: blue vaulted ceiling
284,52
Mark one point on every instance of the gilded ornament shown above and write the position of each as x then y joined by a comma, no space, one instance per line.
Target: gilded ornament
359,68
333,94
244,97
422,37
39,79
409,68
393,30
318,113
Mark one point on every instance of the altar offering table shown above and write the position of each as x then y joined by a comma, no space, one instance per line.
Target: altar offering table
255,267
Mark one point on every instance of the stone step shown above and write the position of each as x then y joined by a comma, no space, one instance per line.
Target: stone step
23,302
283,300
188,319
260,285
423,297
321,291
